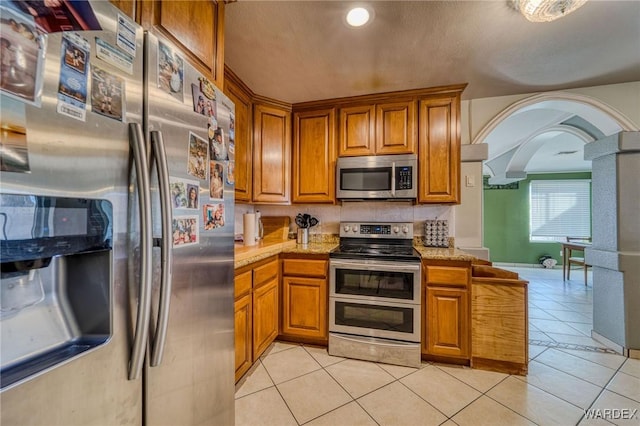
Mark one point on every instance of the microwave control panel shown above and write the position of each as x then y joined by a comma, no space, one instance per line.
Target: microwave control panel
403,177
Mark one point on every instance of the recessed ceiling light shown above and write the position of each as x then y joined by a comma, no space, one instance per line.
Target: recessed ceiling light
358,16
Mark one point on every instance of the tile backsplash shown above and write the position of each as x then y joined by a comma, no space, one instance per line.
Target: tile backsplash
356,211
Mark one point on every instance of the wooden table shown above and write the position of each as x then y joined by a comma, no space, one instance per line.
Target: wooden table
567,248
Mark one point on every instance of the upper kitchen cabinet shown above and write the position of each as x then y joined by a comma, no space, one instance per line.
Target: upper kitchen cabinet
126,6
357,130
197,27
271,152
241,96
314,156
439,149
377,129
396,127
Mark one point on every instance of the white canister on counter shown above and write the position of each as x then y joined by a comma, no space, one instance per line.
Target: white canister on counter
249,229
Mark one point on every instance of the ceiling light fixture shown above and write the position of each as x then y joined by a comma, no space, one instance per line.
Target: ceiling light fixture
358,16
547,10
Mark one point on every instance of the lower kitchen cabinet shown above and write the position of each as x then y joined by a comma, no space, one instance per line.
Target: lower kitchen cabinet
447,323
257,310
304,300
243,334
265,316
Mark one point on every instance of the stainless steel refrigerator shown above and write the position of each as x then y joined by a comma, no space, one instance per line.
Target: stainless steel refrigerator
116,229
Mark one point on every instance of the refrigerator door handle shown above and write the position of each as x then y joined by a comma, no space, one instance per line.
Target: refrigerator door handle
160,158
136,140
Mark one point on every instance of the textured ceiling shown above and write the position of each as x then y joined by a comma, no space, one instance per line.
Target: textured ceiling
297,51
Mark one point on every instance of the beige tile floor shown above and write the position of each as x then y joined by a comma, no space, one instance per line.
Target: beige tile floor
295,384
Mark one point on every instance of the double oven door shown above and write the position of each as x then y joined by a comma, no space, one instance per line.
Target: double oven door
375,298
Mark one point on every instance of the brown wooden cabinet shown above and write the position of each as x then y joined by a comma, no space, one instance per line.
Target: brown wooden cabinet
439,150
196,27
241,95
304,299
243,308
126,6
396,127
314,156
265,316
446,329
357,130
377,129
257,311
271,153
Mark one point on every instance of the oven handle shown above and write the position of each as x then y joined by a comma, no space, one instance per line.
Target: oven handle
377,266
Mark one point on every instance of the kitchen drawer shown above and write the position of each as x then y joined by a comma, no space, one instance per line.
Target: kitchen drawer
242,284
447,276
305,267
264,273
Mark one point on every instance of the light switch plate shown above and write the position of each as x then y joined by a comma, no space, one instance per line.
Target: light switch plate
470,181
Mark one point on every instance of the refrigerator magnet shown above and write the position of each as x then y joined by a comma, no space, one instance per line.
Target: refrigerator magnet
231,167
170,71
126,35
185,194
106,94
197,157
23,48
213,216
216,184
72,87
185,231
113,56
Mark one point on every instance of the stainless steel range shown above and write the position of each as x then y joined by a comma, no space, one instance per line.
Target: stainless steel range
374,299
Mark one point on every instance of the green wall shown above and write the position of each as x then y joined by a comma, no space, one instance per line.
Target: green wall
506,222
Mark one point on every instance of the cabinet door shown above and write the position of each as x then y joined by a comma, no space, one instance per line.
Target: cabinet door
265,316
357,131
271,154
447,322
243,331
240,96
197,28
127,6
396,127
314,156
304,310
439,151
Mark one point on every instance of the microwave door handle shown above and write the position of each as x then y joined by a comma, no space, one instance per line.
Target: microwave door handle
393,179
166,254
136,140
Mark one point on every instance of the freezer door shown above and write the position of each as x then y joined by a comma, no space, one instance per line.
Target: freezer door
83,159
193,384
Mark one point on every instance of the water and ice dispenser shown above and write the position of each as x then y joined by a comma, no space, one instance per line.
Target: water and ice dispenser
55,283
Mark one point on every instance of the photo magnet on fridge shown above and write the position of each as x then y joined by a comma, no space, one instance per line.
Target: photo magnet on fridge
197,157
185,231
170,71
72,87
106,93
213,216
216,188
22,56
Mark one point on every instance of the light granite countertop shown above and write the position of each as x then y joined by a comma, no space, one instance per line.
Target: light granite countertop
245,255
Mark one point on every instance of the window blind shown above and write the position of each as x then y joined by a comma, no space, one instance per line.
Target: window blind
559,208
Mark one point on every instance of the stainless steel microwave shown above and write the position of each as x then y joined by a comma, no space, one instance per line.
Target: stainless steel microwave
380,177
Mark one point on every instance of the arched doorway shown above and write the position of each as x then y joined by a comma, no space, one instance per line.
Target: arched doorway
545,135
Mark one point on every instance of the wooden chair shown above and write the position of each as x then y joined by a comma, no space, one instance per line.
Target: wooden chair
577,260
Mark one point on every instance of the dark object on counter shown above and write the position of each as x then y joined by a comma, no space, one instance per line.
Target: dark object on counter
305,220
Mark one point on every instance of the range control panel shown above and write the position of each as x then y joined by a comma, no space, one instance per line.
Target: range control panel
397,230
